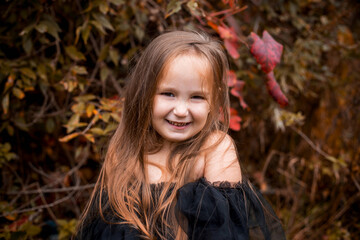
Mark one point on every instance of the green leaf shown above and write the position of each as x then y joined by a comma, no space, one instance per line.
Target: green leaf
71,125
104,53
103,21
78,107
103,7
6,147
79,70
41,71
21,124
139,33
117,2
85,98
27,44
121,37
110,127
114,55
104,73
27,29
41,27
173,7
50,125
28,72
105,116
30,229
73,53
10,156
98,26
85,33
115,116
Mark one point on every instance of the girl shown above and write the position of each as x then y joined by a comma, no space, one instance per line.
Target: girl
171,171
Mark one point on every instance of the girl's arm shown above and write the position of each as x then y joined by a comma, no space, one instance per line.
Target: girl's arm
221,161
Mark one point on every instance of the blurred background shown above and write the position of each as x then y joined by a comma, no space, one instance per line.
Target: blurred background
63,66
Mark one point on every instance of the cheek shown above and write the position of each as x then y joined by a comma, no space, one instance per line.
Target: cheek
202,111
159,107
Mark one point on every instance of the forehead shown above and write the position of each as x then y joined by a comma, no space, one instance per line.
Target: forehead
187,69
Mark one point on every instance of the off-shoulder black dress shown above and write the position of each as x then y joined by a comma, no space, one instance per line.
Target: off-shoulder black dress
213,212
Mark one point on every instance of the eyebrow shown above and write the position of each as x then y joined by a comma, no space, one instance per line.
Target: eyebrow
171,89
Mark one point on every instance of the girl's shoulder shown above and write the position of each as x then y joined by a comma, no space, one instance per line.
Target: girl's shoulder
221,158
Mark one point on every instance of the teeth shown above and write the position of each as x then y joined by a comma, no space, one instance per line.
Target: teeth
177,124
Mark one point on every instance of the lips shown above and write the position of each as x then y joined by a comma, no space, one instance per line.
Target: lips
178,124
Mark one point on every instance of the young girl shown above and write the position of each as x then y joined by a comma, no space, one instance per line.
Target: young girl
171,171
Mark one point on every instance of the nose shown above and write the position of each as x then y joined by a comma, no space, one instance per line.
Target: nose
181,109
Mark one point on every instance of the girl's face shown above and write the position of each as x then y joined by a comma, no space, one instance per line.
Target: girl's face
181,103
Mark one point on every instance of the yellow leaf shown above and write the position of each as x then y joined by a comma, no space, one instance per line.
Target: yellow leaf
97,131
85,33
69,137
81,70
9,83
90,137
28,72
18,93
114,55
78,107
89,110
85,98
5,103
103,7
115,116
105,116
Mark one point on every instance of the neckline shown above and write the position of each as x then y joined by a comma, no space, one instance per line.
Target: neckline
203,180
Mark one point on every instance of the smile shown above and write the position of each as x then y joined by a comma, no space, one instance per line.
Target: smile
178,124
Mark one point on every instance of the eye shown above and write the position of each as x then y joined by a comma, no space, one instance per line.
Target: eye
167,94
198,97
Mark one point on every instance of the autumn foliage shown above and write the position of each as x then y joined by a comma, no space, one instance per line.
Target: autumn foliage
294,91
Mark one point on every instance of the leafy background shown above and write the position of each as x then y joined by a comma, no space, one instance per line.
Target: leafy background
63,66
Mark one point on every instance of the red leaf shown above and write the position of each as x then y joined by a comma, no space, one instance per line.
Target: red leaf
237,92
274,90
231,78
234,120
266,51
230,40
15,225
231,47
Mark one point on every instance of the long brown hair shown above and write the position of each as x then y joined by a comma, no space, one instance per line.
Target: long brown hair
123,177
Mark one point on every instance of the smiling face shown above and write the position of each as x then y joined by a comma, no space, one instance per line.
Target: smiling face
181,102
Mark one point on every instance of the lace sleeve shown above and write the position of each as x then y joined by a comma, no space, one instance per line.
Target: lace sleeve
226,211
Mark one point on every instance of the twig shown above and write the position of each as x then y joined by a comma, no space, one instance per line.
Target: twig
40,207
312,144
42,173
51,213
116,85
355,182
54,190
287,175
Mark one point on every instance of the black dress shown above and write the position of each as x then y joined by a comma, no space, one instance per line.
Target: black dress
213,212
